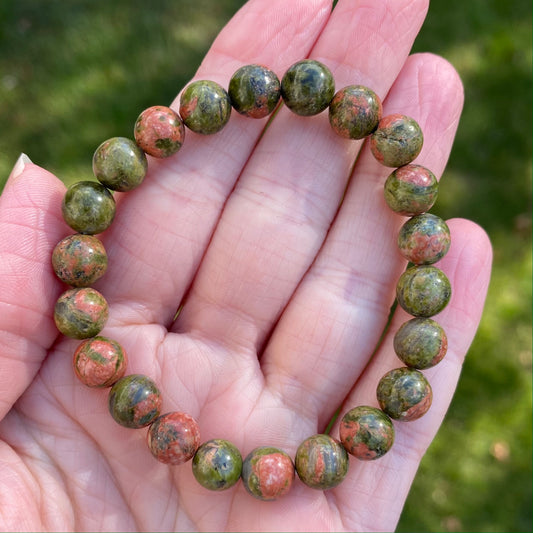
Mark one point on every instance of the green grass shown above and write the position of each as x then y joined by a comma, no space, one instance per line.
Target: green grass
71,77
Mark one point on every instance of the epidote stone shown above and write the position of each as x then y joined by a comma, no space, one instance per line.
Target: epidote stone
267,473
134,401
254,91
397,140
88,207
205,107
424,239
420,343
99,362
79,260
159,131
217,464
81,313
173,438
321,462
423,291
307,87
355,112
366,432
404,394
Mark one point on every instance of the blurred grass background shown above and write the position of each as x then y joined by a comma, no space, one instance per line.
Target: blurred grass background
75,73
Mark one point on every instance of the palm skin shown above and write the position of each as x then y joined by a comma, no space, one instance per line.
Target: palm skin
286,292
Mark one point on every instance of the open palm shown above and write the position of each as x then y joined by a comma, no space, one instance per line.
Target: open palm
280,255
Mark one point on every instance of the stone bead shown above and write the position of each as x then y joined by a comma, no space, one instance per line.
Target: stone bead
366,432
81,313
88,207
217,465
307,87
254,91
79,260
119,164
159,131
423,291
205,107
411,190
397,140
321,462
420,343
99,362
355,112
404,394
267,473
134,401
424,239
173,438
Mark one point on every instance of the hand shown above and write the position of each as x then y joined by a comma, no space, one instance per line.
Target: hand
286,292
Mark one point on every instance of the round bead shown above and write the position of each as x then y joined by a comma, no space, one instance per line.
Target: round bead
366,432
119,164
397,140
99,362
159,131
217,465
173,438
267,473
307,87
79,260
134,401
404,394
420,343
321,462
254,91
205,107
423,291
355,112
424,239
81,313
411,190
88,207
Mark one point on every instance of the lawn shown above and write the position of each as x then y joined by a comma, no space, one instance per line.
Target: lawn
70,78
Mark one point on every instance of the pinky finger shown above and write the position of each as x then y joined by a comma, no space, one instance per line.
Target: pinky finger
468,267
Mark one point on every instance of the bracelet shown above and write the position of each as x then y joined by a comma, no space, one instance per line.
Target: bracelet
120,164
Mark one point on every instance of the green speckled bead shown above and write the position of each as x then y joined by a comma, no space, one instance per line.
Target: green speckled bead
205,107
420,343
404,394
134,401
355,112
217,464
321,462
79,260
397,140
81,313
307,87
88,207
423,291
424,239
366,432
119,164
254,91
267,473
411,190
99,362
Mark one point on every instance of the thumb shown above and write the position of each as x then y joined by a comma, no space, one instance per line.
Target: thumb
30,227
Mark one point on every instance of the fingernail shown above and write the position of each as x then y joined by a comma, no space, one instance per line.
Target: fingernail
21,163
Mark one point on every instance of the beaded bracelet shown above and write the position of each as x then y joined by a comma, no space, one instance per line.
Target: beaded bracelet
120,164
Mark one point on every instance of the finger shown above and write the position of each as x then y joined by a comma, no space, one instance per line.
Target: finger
30,226
468,265
330,329
278,216
163,227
